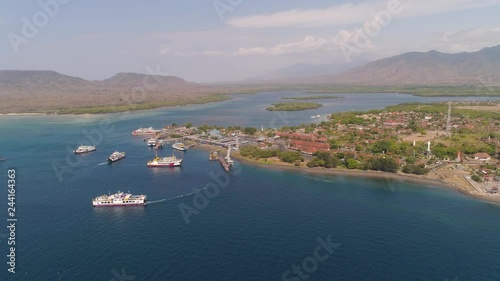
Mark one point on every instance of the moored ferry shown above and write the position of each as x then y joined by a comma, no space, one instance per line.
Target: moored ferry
145,131
119,199
84,149
165,161
152,142
116,156
180,146
214,156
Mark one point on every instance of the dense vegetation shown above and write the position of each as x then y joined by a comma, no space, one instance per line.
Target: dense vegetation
139,106
327,160
313,98
427,91
415,169
324,159
293,106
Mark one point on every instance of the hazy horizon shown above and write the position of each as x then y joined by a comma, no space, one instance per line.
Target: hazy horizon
217,41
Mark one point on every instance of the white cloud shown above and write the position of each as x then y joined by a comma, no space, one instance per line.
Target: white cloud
469,40
164,51
355,13
309,43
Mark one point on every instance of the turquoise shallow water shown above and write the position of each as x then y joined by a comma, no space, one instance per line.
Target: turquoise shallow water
259,226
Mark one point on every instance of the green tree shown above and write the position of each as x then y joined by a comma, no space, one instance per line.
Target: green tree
351,163
250,130
477,178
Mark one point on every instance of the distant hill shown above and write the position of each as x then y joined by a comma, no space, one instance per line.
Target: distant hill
304,70
134,79
46,90
424,68
36,78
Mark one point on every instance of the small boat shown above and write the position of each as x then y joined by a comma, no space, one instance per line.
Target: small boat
164,161
2,159
152,142
119,199
214,156
84,149
115,156
180,146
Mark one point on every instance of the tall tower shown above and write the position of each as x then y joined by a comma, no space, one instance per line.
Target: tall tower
448,120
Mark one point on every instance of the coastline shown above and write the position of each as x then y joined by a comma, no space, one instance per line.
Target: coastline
360,173
97,110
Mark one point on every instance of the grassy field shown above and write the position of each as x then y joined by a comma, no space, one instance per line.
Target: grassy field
426,91
313,98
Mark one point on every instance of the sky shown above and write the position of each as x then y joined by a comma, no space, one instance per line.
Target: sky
230,40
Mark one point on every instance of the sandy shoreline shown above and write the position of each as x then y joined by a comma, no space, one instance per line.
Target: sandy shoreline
359,173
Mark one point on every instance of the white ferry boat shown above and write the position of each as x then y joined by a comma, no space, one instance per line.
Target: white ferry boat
116,156
145,131
152,142
180,146
165,161
119,199
84,149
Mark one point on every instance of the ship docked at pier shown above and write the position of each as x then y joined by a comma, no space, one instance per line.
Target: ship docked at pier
115,156
84,149
145,131
119,199
180,146
152,142
171,161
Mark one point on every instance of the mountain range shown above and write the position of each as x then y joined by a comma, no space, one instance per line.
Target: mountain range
305,70
423,68
33,90
46,90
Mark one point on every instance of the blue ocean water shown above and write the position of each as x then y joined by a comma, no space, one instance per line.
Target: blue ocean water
259,225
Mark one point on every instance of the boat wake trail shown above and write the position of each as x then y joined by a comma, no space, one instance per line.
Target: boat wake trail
103,163
175,197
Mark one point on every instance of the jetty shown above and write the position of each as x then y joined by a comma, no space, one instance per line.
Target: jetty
224,164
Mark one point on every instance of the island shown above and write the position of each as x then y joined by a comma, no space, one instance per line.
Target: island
293,106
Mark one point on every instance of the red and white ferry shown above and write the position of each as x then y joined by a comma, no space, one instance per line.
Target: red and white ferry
119,199
145,131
